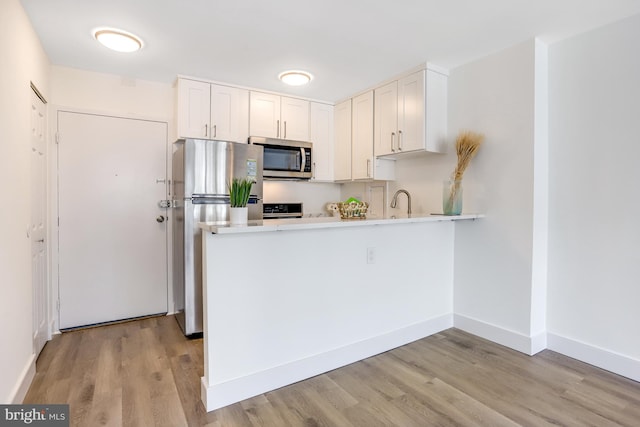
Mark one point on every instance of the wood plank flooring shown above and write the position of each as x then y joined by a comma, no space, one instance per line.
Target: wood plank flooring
146,373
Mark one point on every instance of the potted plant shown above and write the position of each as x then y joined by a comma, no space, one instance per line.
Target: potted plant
239,191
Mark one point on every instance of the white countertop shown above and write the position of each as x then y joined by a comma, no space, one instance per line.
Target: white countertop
268,225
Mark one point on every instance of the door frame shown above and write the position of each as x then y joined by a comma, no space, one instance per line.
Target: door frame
52,213
47,244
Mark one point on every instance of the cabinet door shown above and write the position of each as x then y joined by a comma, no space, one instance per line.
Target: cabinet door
229,113
194,99
264,115
295,119
386,119
411,112
321,130
362,128
342,148
436,114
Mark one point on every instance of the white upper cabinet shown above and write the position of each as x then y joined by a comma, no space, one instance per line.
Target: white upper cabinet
264,115
411,115
436,114
386,119
194,104
275,116
321,130
229,113
294,115
342,145
212,111
363,164
362,137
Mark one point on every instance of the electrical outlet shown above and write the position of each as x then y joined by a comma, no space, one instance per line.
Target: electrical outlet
371,255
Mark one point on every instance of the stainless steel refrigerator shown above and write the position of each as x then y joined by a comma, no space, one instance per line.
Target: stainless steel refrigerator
202,170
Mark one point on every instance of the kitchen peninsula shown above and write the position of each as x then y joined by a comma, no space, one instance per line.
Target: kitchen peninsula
286,300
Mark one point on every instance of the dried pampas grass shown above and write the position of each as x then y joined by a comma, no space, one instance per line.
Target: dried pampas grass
467,145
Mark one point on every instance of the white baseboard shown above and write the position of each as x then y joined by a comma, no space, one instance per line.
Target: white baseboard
24,381
525,344
600,357
216,396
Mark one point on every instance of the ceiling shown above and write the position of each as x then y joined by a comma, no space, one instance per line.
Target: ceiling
349,45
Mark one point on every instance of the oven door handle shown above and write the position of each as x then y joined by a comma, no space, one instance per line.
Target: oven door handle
303,164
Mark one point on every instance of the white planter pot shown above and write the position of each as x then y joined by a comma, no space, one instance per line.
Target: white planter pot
238,216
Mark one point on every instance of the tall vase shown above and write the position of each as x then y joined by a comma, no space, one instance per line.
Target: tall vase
452,197
238,216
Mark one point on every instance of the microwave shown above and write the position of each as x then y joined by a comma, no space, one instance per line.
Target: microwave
284,159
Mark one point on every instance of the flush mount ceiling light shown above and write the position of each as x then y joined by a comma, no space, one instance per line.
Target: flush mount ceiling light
118,40
295,77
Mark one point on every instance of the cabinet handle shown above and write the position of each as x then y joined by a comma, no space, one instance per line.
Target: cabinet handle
368,168
399,140
215,131
313,171
285,129
278,129
393,136
206,130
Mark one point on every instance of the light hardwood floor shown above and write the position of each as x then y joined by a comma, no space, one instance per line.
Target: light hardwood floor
146,373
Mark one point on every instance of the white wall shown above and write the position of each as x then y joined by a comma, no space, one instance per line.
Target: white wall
594,241
496,96
111,94
23,60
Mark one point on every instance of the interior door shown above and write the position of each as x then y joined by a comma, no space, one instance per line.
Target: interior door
112,232
37,229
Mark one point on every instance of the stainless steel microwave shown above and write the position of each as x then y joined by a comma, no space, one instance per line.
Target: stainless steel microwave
284,159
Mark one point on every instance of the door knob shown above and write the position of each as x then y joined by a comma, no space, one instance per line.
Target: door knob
160,218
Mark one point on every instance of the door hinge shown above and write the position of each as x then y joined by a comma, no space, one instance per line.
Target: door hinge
57,138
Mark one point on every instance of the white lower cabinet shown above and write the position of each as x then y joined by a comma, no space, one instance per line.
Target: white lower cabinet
321,132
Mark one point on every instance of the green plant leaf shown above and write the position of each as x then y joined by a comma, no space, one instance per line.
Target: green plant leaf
239,192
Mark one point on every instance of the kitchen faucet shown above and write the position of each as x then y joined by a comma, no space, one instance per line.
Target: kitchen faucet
394,201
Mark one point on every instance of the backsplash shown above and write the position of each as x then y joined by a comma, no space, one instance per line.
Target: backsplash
313,195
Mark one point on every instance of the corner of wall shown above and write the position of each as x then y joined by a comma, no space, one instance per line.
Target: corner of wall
529,345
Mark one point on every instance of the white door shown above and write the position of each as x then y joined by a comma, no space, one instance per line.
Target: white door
112,231
38,230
